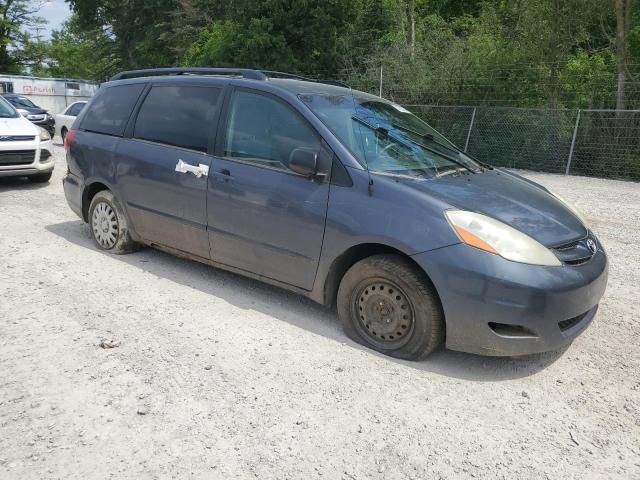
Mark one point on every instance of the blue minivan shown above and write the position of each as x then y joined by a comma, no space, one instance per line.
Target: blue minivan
338,195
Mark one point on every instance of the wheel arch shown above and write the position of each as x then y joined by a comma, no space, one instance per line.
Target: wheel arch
343,262
88,193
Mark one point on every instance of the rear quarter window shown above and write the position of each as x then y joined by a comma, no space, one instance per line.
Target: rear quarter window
109,111
75,109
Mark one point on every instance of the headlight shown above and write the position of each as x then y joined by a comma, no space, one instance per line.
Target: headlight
44,135
573,209
495,237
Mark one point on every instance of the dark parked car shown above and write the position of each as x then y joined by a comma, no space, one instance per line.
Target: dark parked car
34,113
338,195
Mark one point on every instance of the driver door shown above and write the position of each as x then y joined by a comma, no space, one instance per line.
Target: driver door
263,217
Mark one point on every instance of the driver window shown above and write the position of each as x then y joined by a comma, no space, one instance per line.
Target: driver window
264,131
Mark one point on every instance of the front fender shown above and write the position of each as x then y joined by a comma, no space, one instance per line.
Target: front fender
391,215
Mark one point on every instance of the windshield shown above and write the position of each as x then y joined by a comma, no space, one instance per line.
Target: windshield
7,110
387,138
23,102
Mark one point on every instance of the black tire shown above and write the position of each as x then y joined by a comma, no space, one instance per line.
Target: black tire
392,295
41,177
108,224
63,134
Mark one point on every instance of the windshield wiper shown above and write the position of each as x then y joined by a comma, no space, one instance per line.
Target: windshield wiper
383,131
451,147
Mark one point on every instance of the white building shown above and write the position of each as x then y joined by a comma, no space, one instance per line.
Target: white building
53,94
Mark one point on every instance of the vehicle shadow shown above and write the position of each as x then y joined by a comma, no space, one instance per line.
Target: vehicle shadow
22,183
301,312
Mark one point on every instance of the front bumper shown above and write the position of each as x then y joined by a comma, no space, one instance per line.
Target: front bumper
493,306
41,161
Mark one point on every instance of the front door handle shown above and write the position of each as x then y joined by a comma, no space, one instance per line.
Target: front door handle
224,175
199,171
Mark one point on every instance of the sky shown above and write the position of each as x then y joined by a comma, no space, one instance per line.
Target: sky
56,12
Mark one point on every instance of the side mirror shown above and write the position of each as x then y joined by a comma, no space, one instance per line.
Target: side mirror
304,161
22,112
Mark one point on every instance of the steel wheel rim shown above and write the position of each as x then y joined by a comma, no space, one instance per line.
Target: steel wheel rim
384,313
104,224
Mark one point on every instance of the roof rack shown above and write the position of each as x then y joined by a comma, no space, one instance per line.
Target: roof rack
240,72
247,73
274,74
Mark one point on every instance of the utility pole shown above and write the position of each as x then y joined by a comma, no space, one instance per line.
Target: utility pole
39,54
38,35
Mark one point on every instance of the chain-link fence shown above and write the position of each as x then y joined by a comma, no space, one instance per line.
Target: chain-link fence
602,143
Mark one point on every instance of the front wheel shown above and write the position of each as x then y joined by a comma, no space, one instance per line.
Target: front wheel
108,223
387,303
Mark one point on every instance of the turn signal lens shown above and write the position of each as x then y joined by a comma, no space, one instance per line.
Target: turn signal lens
470,239
493,236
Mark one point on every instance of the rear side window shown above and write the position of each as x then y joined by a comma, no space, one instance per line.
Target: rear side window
180,116
111,108
75,109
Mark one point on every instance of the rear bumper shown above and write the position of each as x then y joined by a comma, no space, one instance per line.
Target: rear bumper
493,306
73,188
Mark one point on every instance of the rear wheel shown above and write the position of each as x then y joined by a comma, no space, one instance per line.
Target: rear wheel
41,177
388,304
108,223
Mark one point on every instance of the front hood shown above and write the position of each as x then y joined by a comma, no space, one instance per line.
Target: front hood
34,111
18,126
518,202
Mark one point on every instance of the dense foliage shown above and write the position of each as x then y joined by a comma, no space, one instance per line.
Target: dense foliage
550,53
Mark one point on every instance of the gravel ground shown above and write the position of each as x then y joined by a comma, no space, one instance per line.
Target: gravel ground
216,376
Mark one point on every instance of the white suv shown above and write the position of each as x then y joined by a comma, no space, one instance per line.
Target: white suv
25,149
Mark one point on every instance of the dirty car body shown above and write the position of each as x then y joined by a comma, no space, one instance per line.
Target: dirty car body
512,267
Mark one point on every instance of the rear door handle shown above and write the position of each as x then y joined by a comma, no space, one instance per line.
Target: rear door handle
199,171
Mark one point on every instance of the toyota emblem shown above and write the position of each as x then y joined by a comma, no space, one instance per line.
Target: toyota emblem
591,245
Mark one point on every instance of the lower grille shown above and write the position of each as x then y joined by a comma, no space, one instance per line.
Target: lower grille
16,157
567,324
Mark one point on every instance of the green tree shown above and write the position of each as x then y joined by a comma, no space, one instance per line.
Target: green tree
277,34
16,16
77,53
140,30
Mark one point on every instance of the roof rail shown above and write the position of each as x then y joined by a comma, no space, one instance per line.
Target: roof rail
242,72
337,83
272,74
